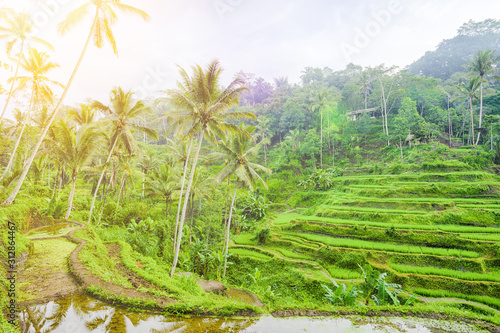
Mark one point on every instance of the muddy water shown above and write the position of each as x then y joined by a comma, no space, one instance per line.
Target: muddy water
55,230
83,314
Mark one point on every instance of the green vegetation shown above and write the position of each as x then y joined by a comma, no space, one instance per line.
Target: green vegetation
306,190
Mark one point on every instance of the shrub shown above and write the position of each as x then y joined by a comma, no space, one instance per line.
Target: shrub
351,260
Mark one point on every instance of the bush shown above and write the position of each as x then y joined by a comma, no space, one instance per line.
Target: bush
351,260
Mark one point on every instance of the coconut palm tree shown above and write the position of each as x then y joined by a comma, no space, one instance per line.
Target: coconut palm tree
85,114
74,148
482,64
320,105
100,32
121,115
469,91
38,65
17,29
238,151
205,106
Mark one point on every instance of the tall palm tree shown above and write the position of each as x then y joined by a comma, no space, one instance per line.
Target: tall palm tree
38,65
205,106
482,64
121,115
238,151
469,91
74,148
181,154
320,105
17,29
100,32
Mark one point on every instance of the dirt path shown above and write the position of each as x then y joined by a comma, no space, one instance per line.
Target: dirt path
45,276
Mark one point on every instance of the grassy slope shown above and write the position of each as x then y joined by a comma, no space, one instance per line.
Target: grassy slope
430,204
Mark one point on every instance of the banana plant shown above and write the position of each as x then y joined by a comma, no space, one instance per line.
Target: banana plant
342,295
381,292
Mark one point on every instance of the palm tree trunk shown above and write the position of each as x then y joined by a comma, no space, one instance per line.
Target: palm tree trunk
184,208
13,154
229,228
265,155
100,178
180,194
449,123
55,181
192,218
106,191
472,123
27,167
321,139
333,152
13,82
124,178
480,111
71,195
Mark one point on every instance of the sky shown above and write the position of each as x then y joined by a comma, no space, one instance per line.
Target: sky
270,38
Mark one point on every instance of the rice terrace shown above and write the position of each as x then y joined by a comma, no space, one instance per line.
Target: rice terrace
162,191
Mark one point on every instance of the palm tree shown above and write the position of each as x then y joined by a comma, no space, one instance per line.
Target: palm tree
84,115
205,106
238,151
100,31
320,105
469,91
482,63
181,154
74,148
17,29
38,65
162,182
294,137
121,114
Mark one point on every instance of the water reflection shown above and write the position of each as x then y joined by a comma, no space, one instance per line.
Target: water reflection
83,314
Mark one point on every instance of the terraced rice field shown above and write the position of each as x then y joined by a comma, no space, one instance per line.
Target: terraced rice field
437,234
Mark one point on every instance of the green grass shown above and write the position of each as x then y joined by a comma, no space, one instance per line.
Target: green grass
491,237
494,302
299,241
245,239
287,218
290,254
249,253
368,245
344,274
373,210
429,270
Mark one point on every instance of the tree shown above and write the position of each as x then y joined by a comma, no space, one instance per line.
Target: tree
205,106
18,28
100,31
121,114
469,91
74,148
294,137
84,115
238,151
320,105
482,64
163,181
38,65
